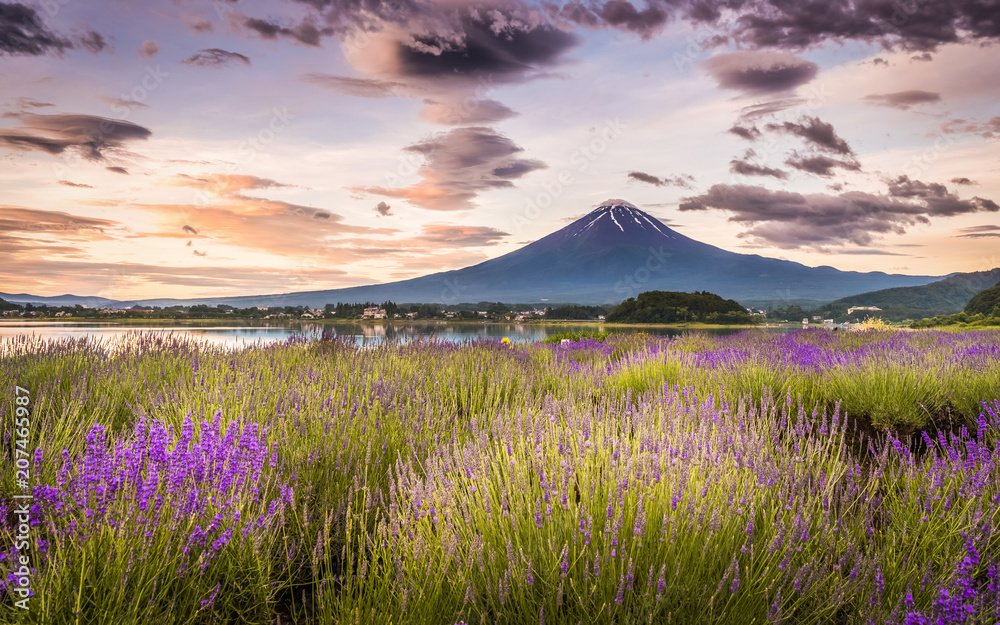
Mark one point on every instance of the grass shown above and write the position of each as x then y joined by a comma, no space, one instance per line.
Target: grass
634,479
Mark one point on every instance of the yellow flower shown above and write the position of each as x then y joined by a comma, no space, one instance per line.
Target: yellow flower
505,341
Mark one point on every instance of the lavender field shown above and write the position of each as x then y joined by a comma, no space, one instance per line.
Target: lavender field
812,477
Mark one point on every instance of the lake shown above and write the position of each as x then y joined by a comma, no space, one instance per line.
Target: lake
237,334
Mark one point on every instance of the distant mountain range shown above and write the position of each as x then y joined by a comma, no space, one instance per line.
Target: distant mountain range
613,253
943,297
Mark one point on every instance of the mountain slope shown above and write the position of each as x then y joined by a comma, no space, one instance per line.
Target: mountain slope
943,297
57,300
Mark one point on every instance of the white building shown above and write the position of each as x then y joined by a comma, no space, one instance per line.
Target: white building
850,311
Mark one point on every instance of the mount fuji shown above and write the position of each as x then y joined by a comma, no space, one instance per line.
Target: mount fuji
613,253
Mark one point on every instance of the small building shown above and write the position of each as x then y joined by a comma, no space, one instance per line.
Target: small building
600,317
374,312
850,311
805,321
411,315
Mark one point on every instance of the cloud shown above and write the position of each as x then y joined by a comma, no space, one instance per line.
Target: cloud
22,32
359,87
746,168
23,104
225,185
124,103
197,253
683,180
979,232
467,111
18,219
755,73
458,165
54,134
903,100
147,50
816,132
216,57
986,130
792,220
937,198
75,184
93,41
464,47
763,109
307,32
750,133
820,165
615,14
189,230
809,23
383,210
117,170
453,235
962,180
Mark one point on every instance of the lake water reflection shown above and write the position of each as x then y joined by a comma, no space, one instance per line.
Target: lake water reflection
248,334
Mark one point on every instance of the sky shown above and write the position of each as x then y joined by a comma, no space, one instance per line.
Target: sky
173,148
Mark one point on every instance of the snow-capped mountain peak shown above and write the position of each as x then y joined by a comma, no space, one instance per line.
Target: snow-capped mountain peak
621,215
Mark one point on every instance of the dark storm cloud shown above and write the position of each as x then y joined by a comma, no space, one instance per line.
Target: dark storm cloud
746,168
23,32
816,132
920,26
306,32
55,134
360,87
483,43
758,73
684,180
962,180
750,133
383,210
820,165
216,57
903,100
789,220
458,165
